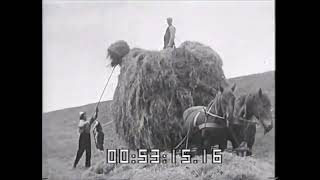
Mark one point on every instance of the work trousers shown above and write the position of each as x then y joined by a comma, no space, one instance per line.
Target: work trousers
84,145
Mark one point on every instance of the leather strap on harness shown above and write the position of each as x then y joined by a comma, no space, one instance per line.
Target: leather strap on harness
195,119
214,115
209,124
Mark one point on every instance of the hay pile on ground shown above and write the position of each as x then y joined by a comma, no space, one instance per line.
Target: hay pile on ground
232,168
155,87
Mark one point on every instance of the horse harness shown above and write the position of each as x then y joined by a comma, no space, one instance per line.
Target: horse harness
215,125
211,124
207,124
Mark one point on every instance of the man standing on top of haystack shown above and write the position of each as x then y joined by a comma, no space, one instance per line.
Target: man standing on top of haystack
84,138
169,35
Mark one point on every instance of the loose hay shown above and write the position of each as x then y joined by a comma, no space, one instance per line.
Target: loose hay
117,50
155,87
232,168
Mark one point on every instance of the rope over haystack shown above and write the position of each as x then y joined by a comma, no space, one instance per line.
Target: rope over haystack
116,51
155,87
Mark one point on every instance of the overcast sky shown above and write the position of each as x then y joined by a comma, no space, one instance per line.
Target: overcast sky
76,35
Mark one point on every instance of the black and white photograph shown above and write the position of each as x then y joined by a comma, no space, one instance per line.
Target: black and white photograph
150,89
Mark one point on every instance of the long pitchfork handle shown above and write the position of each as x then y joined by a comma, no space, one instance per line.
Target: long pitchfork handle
104,88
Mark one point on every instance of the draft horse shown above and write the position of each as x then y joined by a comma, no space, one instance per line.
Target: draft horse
206,126
242,128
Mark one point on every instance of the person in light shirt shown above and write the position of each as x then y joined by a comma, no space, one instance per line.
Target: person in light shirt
169,35
84,138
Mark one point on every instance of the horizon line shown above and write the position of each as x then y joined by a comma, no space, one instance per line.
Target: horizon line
44,112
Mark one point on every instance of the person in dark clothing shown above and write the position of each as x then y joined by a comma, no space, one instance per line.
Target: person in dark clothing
84,138
169,35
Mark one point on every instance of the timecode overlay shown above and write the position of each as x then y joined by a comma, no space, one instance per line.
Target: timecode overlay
154,156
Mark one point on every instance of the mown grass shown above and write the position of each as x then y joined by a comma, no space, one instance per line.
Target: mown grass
233,167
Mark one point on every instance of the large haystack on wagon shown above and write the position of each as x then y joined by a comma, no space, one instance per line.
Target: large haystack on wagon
155,87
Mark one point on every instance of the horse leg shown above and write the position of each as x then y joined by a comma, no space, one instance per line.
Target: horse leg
223,145
223,139
200,144
231,136
193,143
204,141
251,139
232,140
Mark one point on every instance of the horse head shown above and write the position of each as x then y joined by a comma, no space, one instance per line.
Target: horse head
223,104
243,129
261,109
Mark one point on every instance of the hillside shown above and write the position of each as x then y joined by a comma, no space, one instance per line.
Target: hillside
60,141
251,84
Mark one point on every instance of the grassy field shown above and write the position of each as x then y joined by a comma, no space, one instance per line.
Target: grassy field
60,142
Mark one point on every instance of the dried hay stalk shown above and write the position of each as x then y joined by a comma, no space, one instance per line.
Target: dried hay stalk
154,88
116,51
